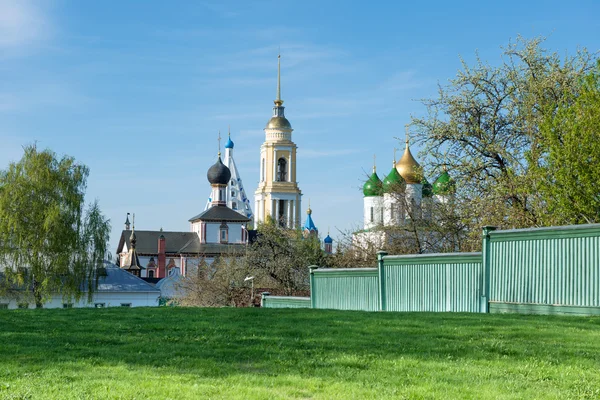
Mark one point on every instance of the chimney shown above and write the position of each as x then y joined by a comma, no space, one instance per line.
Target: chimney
162,258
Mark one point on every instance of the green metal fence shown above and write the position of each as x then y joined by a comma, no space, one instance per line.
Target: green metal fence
269,301
545,270
345,288
431,282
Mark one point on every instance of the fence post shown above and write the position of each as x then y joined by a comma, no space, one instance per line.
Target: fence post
382,284
485,259
262,298
312,285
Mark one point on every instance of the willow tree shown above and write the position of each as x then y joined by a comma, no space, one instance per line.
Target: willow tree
484,126
49,242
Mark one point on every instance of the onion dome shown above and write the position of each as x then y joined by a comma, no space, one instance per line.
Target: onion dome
278,122
427,189
218,174
328,239
408,167
309,225
392,181
229,144
373,186
444,184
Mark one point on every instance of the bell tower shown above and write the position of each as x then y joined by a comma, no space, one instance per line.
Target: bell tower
278,196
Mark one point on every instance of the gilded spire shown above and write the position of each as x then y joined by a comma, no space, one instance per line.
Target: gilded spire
394,164
408,167
278,102
374,163
309,211
219,140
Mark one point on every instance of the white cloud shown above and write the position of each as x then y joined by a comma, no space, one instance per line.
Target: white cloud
22,23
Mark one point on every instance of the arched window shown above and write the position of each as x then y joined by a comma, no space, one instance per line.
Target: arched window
282,170
234,205
223,233
262,171
371,214
151,273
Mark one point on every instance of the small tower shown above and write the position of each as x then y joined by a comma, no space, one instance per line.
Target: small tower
236,198
328,244
131,263
219,224
410,170
373,201
309,228
394,188
218,176
278,196
127,224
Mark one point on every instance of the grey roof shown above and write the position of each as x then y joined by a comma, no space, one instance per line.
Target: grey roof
119,280
220,214
116,280
175,242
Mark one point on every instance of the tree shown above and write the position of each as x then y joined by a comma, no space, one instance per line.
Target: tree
218,284
485,126
281,257
569,149
49,242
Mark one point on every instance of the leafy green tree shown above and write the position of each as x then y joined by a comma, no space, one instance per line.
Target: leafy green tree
280,257
569,172
485,126
49,242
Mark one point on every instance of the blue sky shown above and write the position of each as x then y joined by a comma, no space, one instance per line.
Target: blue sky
137,90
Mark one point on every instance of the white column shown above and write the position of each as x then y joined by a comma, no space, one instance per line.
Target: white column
274,165
289,213
277,204
273,210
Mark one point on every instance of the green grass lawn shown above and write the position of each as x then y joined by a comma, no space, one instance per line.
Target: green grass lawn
183,353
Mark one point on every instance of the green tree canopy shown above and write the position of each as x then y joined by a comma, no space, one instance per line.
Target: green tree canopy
49,243
568,167
490,126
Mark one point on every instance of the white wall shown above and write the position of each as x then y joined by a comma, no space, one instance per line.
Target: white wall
110,299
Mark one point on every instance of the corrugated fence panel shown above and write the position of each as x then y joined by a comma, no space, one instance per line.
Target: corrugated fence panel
346,289
433,282
285,302
557,266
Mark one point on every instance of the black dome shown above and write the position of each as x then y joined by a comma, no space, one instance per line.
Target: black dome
218,173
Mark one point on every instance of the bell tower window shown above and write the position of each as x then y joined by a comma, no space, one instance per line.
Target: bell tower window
282,170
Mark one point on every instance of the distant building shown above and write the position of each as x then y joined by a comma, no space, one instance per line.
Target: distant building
116,288
216,231
403,196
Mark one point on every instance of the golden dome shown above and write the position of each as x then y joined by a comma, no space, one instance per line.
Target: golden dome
408,167
278,123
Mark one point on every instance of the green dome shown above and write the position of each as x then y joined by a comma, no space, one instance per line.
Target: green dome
427,190
392,181
444,184
373,187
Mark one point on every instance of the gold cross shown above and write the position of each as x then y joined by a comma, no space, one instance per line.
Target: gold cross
219,139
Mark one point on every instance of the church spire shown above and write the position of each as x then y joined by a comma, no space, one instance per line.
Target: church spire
278,102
